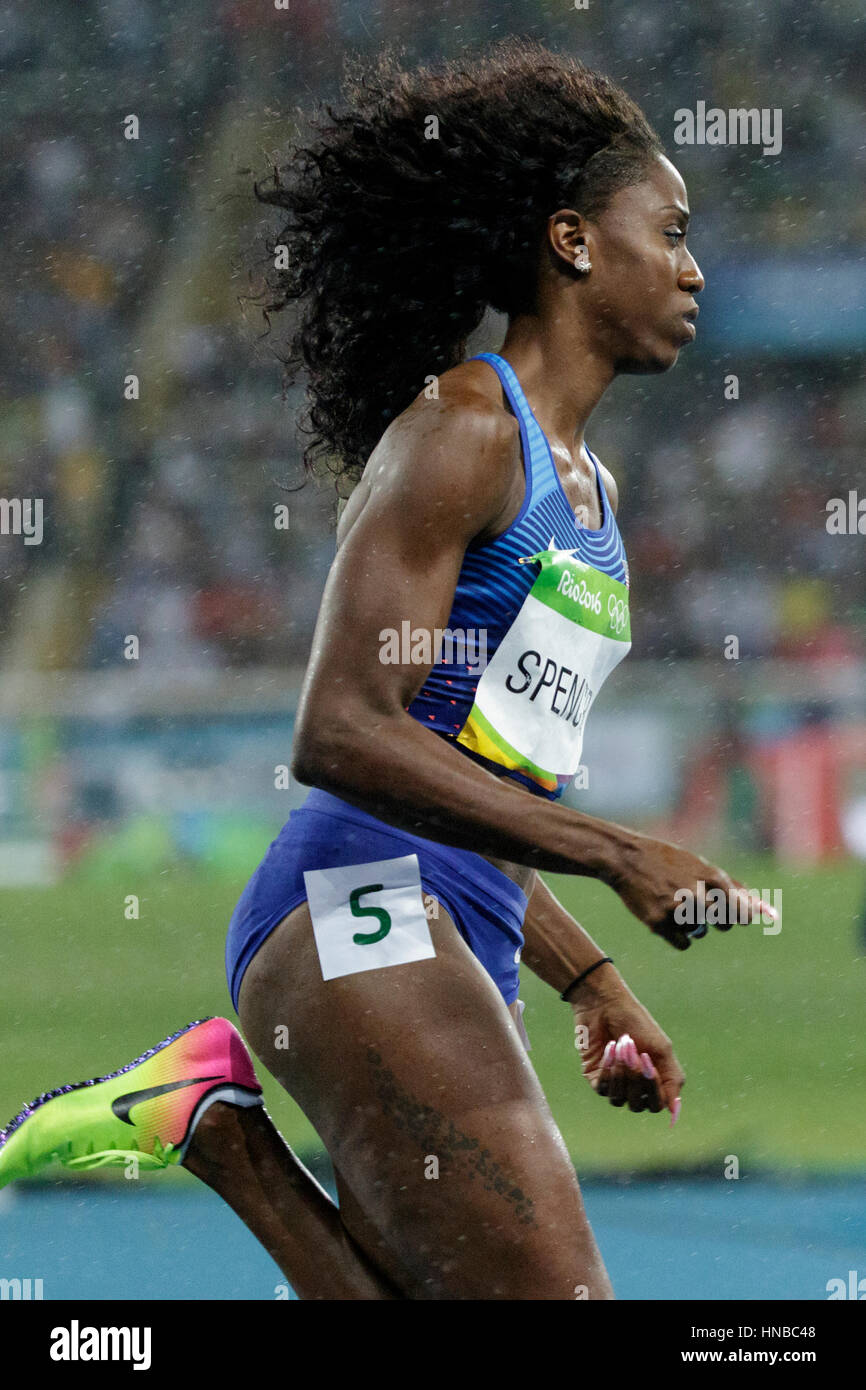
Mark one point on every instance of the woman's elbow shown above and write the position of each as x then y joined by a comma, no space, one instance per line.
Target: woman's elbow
308,761
343,747
322,760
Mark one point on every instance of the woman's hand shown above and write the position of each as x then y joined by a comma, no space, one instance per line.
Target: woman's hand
654,880
625,1056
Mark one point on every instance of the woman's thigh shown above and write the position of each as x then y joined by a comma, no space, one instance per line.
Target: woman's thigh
452,1173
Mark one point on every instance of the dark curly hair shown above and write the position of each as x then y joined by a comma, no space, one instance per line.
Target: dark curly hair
399,234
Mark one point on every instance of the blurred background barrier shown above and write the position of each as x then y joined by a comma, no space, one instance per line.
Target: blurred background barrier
103,771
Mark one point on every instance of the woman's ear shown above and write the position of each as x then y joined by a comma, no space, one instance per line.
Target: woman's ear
567,239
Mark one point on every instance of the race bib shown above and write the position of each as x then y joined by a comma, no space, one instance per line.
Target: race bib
534,696
368,915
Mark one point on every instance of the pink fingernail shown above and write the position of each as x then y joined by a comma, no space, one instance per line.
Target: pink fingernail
621,1054
633,1058
608,1054
675,1111
646,1066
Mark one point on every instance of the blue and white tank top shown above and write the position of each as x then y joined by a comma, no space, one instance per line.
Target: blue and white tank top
539,620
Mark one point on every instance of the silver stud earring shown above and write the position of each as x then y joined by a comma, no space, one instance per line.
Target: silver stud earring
581,260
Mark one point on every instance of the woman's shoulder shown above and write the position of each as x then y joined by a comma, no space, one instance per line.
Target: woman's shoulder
466,397
454,452
456,433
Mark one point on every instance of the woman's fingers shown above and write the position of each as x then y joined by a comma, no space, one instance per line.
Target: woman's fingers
650,1075
603,1085
725,903
618,1091
641,1084
744,905
628,1077
673,934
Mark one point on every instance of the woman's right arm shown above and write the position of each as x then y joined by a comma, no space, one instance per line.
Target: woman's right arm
445,473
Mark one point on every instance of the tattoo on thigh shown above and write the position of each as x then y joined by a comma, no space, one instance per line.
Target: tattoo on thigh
435,1134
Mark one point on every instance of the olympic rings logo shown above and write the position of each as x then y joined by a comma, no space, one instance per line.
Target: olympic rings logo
617,611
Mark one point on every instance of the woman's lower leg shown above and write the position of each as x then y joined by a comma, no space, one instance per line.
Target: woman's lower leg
243,1157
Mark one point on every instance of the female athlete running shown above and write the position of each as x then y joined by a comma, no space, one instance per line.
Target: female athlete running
478,599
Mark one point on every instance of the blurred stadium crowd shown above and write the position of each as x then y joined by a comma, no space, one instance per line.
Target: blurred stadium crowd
121,256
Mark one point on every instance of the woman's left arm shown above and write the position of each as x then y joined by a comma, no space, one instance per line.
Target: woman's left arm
625,1055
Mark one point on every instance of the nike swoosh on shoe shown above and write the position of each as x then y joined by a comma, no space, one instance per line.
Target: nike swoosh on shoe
122,1105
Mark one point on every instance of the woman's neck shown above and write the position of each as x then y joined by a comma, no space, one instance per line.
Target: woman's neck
562,377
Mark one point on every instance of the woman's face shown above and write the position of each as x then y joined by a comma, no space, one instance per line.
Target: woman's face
639,293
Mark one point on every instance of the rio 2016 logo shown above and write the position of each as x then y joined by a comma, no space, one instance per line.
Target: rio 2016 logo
579,591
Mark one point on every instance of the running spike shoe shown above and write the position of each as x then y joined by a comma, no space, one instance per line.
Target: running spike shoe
147,1111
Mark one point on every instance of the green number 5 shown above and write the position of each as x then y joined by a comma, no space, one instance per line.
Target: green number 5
382,917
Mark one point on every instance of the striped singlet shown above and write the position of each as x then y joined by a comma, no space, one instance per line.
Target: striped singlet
539,620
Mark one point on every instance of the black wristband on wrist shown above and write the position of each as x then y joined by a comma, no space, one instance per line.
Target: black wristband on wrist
605,960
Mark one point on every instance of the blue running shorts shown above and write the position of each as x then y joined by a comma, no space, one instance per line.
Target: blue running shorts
326,833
